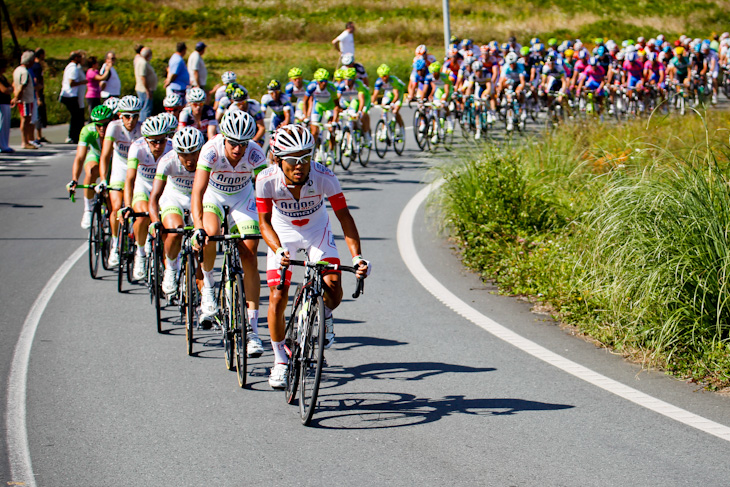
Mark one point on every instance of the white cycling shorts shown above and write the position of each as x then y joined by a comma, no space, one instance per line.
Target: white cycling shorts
173,201
119,172
243,217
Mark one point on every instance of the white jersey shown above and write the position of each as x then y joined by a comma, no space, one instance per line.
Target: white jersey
179,179
141,159
309,212
253,108
224,178
122,138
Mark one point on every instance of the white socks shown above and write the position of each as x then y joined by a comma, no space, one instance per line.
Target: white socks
87,204
208,280
171,263
280,356
253,319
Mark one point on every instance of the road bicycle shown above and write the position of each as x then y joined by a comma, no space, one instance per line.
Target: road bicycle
127,246
353,144
232,317
323,147
305,334
100,234
388,133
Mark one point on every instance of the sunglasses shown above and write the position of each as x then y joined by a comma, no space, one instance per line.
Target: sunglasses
234,143
293,161
157,141
197,104
101,124
130,115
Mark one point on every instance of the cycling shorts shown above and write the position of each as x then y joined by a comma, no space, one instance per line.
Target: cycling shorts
355,105
92,157
242,215
633,81
321,117
388,99
119,172
275,121
173,201
479,90
319,243
593,85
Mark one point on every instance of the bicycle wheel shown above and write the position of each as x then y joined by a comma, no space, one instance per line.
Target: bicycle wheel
363,150
106,236
398,136
156,279
420,128
240,330
95,243
312,360
190,301
381,139
122,248
292,343
346,148
226,316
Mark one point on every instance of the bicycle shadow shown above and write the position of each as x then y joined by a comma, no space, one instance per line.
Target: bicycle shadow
352,342
376,410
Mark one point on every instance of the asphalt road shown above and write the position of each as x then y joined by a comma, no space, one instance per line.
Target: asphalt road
414,394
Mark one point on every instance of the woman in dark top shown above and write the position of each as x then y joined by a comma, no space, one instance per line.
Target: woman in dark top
6,92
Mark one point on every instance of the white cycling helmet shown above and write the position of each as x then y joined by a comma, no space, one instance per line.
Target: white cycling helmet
195,95
238,126
228,77
476,65
129,104
154,126
291,139
348,58
188,140
113,103
172,100
170,122
510,58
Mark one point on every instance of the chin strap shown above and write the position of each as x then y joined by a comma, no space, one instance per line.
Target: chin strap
293,184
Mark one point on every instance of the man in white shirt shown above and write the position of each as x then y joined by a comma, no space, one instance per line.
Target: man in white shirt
113,85
196,66
73,78
346,40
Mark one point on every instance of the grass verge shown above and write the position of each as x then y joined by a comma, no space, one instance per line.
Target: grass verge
620,230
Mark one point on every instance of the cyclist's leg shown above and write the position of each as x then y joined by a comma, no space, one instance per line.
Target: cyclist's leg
321,246
116,181
244,220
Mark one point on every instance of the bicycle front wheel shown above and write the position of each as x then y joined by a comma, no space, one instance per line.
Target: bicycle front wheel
346,148
190,293
312,361
156,278
399,139
122,248
240,330
381,139
363,151
291,340
226,304
95,242
420,128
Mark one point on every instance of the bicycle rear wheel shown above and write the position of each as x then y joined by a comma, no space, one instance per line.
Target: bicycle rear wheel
95,243
106,235
312,361
122,248
240,330
363,150
398,136
381,139
155,278
190,301
291,340
420,129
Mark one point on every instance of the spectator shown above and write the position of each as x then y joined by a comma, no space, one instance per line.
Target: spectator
137,52
93,81
178,78
73,77
196,66
6,91
346,40
40,117
23,96
145,81
112,86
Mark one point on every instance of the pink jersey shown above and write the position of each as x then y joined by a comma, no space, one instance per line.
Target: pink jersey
309,211
655,67
594,73
635,69
580,66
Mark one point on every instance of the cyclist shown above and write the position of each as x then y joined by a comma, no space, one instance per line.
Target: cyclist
173,104
296,89
238,100
199,115
480,84
220,90
88,152
348,61
226,168
393,92
514,73
357,96
279,105
321,101
654,74
593,79
634,76
114,150
170,121
712,62
290,200
422,81
444,88
168,202
144,155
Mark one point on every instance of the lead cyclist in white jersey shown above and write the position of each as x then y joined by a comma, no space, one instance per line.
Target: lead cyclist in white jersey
226,169
118,138
290,199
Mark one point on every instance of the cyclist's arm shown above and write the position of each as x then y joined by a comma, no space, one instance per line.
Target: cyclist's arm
374,98
361,99
158,186
260,131
349,229
129,184
81,151
212,131
107,148
308,106
200,184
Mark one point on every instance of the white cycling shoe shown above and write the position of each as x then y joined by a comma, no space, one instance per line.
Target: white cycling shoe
277,378
254,347
86,220
329,332
208,305
169,282
113,258
139,271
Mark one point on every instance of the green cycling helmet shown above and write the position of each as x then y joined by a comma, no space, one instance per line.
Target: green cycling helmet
231,88
295,73
383,70
101,114
273,85
525,50
434,67
321,74
552,42
349,73
338,75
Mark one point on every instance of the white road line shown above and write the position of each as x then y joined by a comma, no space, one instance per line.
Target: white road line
409,255
21,468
